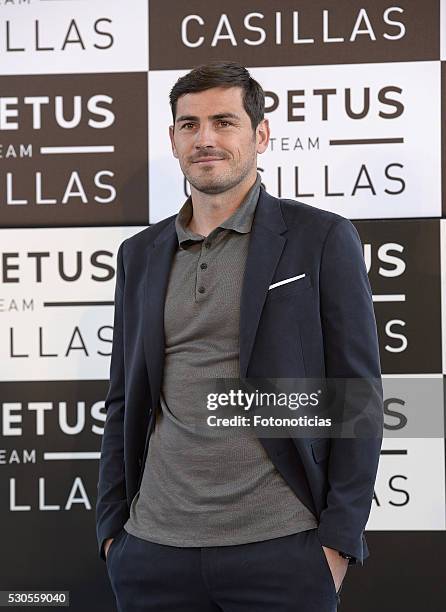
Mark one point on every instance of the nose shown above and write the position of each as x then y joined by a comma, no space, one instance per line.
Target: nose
205,136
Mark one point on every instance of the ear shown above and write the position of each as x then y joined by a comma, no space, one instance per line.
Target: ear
172,141
262,135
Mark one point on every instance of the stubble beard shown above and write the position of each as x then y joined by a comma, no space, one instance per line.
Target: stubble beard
217,183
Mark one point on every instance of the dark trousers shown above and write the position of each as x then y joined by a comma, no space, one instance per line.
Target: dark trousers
286,574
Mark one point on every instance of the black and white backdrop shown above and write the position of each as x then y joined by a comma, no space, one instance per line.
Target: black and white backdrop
356,102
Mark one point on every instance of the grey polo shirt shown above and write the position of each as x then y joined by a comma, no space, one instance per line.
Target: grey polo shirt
202,487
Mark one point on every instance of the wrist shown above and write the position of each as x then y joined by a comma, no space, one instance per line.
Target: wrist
345,556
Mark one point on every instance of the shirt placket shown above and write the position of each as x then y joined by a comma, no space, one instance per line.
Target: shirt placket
204,265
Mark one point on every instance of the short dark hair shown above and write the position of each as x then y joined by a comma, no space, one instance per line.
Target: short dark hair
222,74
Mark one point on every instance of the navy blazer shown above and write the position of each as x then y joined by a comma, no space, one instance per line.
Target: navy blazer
322,325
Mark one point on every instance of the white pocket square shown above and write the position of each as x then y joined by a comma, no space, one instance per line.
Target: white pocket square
286,280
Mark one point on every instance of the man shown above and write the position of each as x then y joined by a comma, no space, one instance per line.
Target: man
238,284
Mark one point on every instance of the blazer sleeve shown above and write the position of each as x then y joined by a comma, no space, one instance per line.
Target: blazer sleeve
351,352
112,507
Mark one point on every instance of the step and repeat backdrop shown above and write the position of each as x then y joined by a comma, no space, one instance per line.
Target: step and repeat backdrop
355,96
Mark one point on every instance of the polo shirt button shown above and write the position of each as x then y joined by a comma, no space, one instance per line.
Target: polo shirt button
207,245
203,266
201,289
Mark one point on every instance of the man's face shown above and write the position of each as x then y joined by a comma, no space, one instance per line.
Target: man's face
214,141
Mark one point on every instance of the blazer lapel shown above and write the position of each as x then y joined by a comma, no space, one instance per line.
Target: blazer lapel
156,278
265,248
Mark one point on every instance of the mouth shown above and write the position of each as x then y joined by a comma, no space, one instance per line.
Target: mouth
207,160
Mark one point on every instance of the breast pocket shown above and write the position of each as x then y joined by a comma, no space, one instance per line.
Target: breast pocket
291,288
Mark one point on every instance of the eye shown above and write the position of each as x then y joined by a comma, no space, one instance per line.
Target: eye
224,123
187,126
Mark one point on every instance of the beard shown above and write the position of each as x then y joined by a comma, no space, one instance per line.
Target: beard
211,181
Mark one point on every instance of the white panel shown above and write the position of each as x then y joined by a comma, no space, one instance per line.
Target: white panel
416,161
165,177
411,487
75,336
405,498
108,37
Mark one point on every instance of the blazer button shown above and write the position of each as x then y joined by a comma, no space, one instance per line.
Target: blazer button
139,461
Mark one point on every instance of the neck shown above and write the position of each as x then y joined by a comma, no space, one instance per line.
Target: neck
209,210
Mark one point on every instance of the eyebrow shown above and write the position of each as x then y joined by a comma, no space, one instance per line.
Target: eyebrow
213,117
